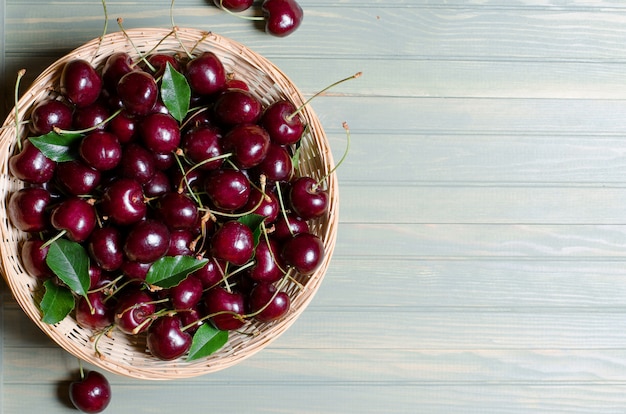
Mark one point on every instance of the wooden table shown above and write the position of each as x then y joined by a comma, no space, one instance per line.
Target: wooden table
481,258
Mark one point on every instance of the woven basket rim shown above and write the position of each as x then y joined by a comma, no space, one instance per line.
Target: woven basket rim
128,360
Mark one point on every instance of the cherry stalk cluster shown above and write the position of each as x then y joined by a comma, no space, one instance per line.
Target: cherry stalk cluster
281,17
162,198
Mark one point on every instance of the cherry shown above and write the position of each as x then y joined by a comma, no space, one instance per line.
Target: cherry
77,178
164,160
123,201
304,252
159,62
91,394
263,204
206,74
91,116
282,123
234,5
105,248
267,304
177,211
232,83
123,126
27,209
187,293
33,254
138,92
49,114
93,312
135,270
132,310
180,243
158,185
233,242
75,216
166,340
283,17
211,274
202,143
225,306
227,189
31,165
115,67
236,106
137,162
191,319
101,150
187,180
277,164
80,83
307,199
285,228
249,144
147,241
160,132
269,266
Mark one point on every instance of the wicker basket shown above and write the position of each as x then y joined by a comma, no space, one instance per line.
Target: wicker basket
121,354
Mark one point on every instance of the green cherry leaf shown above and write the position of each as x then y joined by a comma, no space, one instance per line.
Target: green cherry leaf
206,341
175,92
70,262
57,302
169,271
253,221
58,147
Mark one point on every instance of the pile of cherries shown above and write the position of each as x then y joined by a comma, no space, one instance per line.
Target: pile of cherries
142,185
282,17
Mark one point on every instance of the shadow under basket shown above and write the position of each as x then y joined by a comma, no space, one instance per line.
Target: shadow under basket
120,353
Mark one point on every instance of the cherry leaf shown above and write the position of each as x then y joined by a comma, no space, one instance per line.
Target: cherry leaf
57,302
254,222
206,341
175,92
70,262
169,271
58,147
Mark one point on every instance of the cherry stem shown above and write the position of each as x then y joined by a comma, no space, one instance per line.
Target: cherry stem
104,30
53,239
142,57
301,108
90,129
20,75
255,18
107,286
343,157
81,369
269,302
279,192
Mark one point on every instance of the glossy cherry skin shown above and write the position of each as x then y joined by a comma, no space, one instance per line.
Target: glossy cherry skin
206,74
211,274
277,165
77,178
31,165
234,5
201,145
49,114
227,189
76,216
27,209
263,204
147,241
159,62
135,270
123,126
91,394
307,199
160,133
132,310
138,92
304,252
180,243
91,116
97,316
233,242
225,306
283,127
137,162
158,185
267,304
282,17
123,202
80,83
284,229
101,150
166,340
187,293
269,266
249,144
105,248
115,67
177,211
236,106
33,255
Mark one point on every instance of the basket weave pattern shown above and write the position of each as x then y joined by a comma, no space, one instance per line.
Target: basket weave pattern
120,354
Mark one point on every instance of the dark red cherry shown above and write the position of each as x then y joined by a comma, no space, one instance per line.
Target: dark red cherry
277,165
236,106
177,211
91,116
135,270
281,124
123,126
233,242
91,394
105,248
234,5
166,340
93,312
132,311
268,263
138,92
212,273
77,178
202,145
180,243
158,63
158,185
137,162
308,200
248,143
282,17
285,228
304,252
27,209
267,304
115,67
49,114
233,83
206,74
33,255
264,204
123,202
226,307
31,165
187,293
76,216
147,241
80,83
160,133
227,189
101,150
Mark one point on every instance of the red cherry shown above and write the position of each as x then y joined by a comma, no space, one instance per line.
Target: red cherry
91,394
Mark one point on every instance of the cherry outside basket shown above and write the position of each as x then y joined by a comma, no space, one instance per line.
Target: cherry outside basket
120,355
